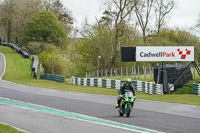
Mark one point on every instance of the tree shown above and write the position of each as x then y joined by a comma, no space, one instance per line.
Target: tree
162,9
45,27
144,15
14,14
7,8
60,12
143,12
119,13
196,28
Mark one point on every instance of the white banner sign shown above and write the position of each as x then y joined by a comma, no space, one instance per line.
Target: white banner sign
165,53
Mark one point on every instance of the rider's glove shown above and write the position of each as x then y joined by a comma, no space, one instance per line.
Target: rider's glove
120,95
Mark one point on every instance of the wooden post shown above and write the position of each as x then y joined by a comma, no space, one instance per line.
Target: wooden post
194,72
126,71
121,71
116,72
97,73
150,69
144,69
111,72
138,72
132,71
101,73
93,74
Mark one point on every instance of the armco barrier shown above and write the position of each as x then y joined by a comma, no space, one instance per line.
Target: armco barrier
146,87
196,88
54,77
35,61
17,49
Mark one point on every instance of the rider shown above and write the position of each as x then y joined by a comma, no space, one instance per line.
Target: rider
126,86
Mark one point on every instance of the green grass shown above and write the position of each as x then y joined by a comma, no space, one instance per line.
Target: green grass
8,129
26,79
16,66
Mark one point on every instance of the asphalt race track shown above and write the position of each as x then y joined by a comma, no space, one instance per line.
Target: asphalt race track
1,65
159,116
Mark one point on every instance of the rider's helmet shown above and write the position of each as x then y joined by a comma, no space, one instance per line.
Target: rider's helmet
128,81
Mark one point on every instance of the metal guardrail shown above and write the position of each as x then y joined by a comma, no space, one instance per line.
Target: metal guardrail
17,49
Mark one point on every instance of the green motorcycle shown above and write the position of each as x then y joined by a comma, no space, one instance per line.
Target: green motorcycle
126,104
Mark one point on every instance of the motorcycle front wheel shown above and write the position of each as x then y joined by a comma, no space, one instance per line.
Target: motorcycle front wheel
128,111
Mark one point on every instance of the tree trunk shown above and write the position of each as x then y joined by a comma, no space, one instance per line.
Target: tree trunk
9,31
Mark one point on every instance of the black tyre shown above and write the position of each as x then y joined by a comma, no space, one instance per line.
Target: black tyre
128,112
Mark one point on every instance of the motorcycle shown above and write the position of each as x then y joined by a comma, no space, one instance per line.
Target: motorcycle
126,104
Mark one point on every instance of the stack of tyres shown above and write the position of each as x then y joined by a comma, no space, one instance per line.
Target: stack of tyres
108,83
82,82
99,82
96,82
91,82
139,85
134,83
104,83
113,84
88,82
195,89
117,84
143,86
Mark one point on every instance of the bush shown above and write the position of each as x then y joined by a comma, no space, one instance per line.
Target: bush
183,90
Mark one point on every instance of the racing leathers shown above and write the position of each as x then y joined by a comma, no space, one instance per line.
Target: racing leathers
123,88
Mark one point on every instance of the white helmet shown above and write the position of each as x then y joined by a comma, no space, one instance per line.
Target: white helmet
128,80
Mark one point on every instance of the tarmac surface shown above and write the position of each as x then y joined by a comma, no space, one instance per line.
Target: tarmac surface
159,116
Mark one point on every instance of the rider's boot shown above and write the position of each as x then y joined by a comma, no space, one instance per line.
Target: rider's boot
117,106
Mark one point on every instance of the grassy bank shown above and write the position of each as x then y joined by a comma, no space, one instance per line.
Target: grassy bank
23,76
8,129
16,66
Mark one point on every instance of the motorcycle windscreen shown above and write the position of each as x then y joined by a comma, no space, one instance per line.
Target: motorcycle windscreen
129,94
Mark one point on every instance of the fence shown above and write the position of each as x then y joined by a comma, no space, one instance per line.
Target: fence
141,72
142,86
53,77
196,88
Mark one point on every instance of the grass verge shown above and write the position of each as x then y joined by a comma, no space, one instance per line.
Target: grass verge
26,79
16,66
8,129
